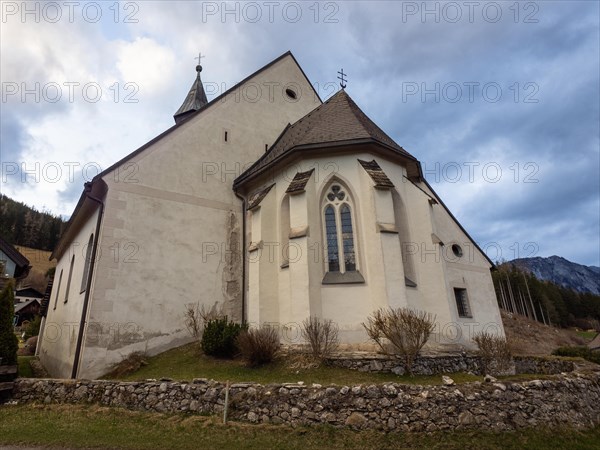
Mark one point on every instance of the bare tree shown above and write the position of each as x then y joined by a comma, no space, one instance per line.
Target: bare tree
495,353
321,335
196,316
405,330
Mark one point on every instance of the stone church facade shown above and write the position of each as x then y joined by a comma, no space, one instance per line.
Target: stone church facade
276,206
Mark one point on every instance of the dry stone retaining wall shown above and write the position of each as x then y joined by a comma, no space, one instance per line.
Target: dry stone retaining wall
572,400
429,365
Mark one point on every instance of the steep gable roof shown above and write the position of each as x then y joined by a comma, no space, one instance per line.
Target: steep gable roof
195,99
21,263
338,121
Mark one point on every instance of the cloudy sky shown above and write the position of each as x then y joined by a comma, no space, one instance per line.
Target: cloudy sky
499,100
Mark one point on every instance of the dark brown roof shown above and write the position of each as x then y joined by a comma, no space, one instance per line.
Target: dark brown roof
298,184
258,196
46,300
339,120
377,174
21,263
195,99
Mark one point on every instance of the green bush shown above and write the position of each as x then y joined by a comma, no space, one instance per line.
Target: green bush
218,338
9,343
33,327
581,351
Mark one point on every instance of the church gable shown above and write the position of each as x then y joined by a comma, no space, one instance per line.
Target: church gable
226,135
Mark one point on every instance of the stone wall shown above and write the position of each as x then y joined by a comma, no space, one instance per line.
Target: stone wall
429,365
572,400
372,362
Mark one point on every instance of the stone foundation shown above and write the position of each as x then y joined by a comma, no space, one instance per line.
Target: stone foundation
572,400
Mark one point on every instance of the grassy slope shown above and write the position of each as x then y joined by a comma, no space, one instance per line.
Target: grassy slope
528,337
186,363
88,427
37,258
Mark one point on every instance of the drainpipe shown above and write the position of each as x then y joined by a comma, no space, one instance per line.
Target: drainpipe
88,287
244,204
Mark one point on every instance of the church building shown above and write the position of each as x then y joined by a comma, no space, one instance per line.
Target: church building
272,204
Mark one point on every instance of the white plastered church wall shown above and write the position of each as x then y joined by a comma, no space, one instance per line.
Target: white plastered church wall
172,220
57,349
379,255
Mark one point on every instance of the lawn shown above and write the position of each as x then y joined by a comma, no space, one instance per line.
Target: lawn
187,362
25,370
77,426
587,335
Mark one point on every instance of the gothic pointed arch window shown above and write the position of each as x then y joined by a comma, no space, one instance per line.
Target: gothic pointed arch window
339,229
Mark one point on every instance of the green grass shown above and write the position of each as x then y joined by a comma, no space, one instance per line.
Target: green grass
77,426
186,363
587,335
25,370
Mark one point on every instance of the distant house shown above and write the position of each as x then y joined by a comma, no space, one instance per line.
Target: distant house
25,294
26,311
12,263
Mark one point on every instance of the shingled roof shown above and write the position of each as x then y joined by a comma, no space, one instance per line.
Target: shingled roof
21,263
298,184
377,174
195,99
338,121
258,197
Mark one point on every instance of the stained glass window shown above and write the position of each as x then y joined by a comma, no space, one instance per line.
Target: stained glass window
341,255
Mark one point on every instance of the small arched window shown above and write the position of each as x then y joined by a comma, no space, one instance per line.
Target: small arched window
58,289
339,230
87,263
69,279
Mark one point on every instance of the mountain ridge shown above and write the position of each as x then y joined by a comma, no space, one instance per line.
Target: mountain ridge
562,272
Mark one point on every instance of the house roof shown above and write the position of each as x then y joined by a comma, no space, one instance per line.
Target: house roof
21,263
338,121
298,184
25,304
195,99
29,292
377,174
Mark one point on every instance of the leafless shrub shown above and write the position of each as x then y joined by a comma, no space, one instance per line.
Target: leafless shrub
495,353
321,335
258,345
196,316
400,331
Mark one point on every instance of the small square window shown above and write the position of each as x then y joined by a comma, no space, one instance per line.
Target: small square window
462,303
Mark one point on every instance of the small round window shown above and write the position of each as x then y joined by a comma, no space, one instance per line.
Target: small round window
457,250
291,93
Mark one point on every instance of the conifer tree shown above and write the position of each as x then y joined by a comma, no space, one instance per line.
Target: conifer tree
8,340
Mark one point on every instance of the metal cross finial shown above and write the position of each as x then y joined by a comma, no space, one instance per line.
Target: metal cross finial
199,58
342,78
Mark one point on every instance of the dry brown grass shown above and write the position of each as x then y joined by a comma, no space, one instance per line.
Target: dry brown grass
528,337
